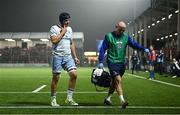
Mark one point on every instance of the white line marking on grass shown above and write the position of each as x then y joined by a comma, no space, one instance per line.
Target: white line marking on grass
162,82
85,107
83,92
151,107
38,89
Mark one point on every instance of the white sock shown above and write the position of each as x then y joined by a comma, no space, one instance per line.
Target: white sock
70,94
109,98
121,98
53,96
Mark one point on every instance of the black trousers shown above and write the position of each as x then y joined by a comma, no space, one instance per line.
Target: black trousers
160,68
134,67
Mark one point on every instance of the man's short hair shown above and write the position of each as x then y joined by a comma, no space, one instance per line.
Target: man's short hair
64,16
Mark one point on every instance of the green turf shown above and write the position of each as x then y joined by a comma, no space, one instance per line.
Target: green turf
16,85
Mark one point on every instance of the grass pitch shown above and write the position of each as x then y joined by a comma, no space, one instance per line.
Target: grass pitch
144,96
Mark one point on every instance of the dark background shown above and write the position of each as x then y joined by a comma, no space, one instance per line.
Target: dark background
93,17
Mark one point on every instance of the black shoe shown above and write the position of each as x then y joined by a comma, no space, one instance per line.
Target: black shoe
106,102
124,105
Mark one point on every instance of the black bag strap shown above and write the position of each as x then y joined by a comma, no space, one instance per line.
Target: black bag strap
98,89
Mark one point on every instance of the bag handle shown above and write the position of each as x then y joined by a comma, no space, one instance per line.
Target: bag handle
100,90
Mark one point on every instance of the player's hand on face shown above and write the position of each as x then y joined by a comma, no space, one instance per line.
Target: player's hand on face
63,29
76,60
66,23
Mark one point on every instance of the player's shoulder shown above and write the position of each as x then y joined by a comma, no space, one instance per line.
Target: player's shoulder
55,27
54,30
109,34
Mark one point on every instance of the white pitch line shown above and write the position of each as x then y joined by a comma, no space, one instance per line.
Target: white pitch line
87,107
38,89
83,92
162,82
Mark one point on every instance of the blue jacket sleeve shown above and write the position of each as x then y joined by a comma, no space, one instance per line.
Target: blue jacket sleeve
102,50
134,44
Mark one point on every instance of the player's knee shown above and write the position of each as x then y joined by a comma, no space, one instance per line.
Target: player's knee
73,75
118,81
55,77
73,78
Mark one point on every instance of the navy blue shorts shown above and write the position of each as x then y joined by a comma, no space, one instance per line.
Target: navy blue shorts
116,69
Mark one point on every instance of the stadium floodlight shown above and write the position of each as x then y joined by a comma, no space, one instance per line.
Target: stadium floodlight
129,23
26,40
158,22
177,11
175,34
163,18
10,40
44,40
170,15
153,24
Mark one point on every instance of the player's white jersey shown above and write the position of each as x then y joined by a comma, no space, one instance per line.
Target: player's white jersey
63,47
